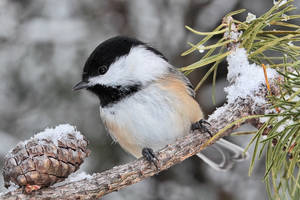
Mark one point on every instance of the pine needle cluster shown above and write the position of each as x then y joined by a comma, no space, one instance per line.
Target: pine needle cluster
271,40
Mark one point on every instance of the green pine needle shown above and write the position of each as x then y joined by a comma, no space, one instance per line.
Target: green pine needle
274,33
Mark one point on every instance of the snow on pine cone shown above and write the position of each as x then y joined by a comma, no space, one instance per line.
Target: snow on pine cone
46,158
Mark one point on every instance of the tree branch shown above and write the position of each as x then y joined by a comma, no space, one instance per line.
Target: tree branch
124,175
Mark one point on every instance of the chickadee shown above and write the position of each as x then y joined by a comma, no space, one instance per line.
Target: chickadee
146,103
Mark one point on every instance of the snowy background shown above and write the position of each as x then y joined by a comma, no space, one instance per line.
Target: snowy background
43,46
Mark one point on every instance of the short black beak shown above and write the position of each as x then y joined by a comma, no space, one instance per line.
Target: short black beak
81,85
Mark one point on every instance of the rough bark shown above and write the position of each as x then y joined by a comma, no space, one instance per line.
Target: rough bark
124,175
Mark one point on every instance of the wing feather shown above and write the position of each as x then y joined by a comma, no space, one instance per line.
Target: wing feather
183,78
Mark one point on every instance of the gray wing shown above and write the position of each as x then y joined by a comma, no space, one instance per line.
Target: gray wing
181,76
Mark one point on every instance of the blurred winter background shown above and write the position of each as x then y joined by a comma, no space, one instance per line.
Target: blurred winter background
43,46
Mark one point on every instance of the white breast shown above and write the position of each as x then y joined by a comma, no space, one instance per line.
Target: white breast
148,117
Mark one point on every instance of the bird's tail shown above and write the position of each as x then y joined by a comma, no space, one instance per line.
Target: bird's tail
222,155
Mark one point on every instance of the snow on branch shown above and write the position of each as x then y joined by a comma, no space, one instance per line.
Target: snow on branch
246,96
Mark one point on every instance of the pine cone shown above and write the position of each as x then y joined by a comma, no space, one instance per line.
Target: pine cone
47,158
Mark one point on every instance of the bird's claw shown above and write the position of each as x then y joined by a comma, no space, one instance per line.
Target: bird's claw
200,125
150,156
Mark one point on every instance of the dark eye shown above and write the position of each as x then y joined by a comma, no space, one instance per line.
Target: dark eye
102,69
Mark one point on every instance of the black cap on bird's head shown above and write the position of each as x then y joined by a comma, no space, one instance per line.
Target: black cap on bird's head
103,56
106,53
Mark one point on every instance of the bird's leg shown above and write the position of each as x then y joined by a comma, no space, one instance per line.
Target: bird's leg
150,156
200,125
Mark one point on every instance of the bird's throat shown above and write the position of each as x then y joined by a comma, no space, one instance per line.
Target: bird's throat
109,95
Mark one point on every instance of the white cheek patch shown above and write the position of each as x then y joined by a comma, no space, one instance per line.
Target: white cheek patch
140,65
114,76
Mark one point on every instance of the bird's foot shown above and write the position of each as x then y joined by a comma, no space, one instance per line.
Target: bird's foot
200,125
150,156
